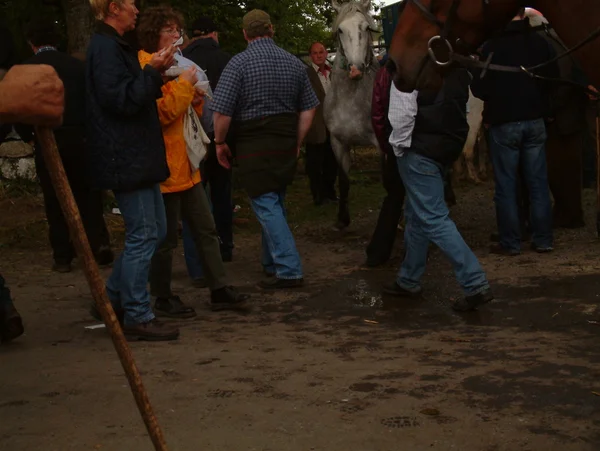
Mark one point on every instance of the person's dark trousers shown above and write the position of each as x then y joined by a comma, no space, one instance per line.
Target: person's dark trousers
11,324
511,145
565,175
218,180
380,248
88,201
193,206
322,169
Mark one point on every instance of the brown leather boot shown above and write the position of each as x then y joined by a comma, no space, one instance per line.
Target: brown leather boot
154,330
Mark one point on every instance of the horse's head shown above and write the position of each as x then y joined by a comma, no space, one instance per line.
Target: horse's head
352,29
429,31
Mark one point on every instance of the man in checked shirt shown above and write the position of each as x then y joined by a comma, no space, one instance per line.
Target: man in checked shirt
265,95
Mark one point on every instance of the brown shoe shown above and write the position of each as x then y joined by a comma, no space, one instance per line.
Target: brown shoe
151,331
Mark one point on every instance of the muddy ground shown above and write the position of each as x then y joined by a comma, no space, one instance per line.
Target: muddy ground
333,366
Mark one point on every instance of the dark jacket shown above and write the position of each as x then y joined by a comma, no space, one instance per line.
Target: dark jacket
568,103
70,136
318,130
125,143
512,96
380,107
207,54
441,126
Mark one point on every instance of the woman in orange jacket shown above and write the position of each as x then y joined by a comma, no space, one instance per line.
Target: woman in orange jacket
183,194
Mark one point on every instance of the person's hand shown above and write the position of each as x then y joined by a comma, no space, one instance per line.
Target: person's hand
224,155
591,96
190,75
32,94
163,59
354,72
198,97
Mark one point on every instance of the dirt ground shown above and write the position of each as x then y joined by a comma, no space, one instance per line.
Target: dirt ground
333,366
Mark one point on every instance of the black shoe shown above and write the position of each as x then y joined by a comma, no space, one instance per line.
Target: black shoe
472,302
62,268
330,200
227,298
95,313
11,324
154,330
498,249
372,263
280,284
396,290
105,256
541,250
173,307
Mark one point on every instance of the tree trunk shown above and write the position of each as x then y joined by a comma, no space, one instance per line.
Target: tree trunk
80,21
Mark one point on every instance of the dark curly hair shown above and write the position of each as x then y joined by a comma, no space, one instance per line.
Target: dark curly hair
152,21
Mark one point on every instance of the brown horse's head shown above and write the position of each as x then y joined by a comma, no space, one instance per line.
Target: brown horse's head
467,23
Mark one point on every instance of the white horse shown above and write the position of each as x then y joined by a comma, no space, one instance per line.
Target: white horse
347,106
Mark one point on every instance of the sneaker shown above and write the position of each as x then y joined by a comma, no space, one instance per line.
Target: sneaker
153,330
498,249
280,284
540,249
11,324
95,313
472,302
173,307
227,298
396,290
62,268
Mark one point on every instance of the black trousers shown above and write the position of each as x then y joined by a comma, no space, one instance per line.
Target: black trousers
379,249
88,201
322,169
218,180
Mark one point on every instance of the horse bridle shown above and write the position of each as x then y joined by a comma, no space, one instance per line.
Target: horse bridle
469,61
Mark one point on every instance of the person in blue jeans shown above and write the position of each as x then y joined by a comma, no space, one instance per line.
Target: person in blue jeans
271,112
126,154
516,106
429,130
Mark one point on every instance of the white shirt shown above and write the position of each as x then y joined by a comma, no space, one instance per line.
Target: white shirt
325,79
402,112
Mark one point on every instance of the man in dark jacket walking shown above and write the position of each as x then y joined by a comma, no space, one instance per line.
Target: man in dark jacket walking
382,242
515,108
429,132
204,50
70,138
127,154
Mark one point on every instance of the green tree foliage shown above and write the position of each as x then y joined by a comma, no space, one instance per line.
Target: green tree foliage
297,23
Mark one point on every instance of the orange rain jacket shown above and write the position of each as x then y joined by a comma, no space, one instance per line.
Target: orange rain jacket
172,106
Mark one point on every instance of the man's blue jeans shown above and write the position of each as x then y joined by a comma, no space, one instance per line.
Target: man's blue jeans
428,220
521,144
279,253
143,212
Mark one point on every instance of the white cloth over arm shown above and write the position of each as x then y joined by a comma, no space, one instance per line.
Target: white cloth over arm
402,112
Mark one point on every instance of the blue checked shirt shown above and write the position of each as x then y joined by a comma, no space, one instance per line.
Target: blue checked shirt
263,80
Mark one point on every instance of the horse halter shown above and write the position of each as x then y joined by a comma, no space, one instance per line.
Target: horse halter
445,28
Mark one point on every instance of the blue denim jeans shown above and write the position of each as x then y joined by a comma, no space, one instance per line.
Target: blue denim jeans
428,220
143,212
521,144
279,253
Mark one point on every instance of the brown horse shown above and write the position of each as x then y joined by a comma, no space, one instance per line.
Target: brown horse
465,24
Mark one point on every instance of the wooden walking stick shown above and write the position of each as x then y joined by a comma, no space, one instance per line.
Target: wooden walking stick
597,173
92,273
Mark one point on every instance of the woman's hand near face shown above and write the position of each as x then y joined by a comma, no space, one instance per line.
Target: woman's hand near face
163,59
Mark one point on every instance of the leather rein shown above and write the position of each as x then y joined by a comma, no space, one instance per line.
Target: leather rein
470,61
